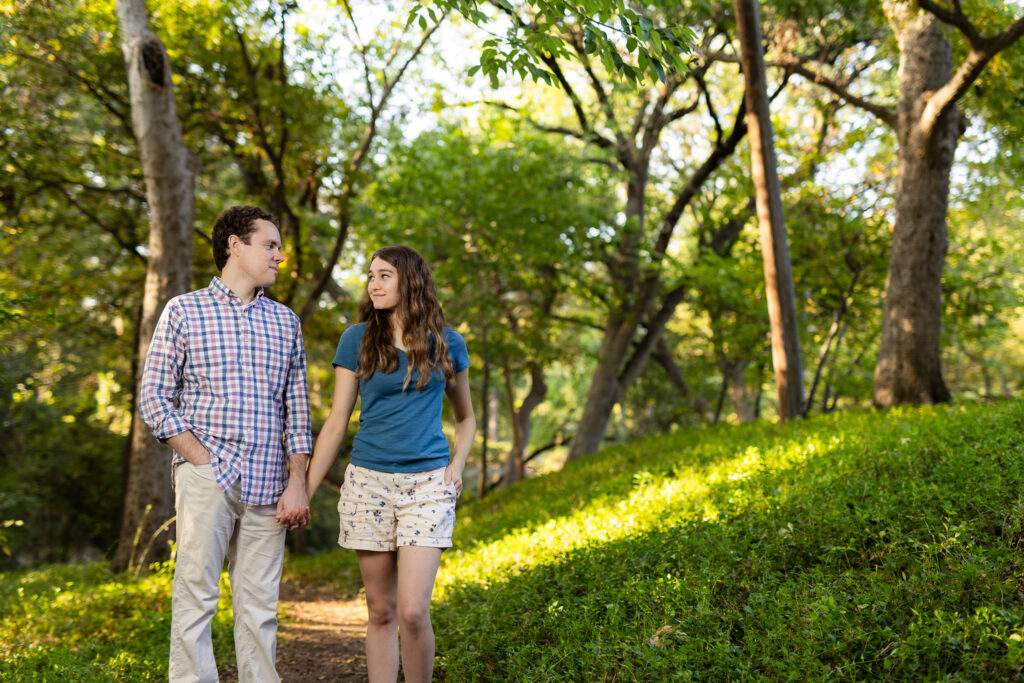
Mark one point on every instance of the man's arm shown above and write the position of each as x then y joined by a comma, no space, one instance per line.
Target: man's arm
293,506
189,447
161,383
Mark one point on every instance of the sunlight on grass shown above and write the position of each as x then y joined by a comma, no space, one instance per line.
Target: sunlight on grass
681,494
847,547
79,622
857,546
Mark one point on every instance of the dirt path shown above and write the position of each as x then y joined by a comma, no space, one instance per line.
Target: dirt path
320,637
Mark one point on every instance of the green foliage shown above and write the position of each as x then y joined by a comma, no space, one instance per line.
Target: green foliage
80,623
539,31
505,217
855,546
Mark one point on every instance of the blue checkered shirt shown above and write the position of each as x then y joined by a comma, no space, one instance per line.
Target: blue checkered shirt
235,375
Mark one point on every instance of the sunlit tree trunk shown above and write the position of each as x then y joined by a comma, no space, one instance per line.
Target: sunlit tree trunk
778,274
909,366
169,171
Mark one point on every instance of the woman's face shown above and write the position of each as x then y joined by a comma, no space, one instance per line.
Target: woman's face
382,284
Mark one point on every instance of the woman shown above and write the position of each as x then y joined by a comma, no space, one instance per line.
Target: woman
397,503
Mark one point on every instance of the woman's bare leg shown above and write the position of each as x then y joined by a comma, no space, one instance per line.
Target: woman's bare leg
380,577
417,569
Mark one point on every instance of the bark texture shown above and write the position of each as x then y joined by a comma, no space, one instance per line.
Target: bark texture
909,366
778,274
169,171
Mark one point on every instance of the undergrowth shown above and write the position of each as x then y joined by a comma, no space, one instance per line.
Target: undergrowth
845,547
82,623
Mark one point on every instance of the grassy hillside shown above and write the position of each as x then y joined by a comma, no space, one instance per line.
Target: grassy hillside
846,547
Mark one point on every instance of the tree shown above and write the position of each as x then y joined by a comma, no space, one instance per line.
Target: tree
778,274
170,177
928,126
636,259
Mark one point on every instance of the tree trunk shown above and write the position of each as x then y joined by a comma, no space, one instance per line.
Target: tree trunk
485,418
742,399
521,421
169,172
604,389
909,359
778,274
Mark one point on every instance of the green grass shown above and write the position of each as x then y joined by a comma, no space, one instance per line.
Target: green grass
81,623
846,547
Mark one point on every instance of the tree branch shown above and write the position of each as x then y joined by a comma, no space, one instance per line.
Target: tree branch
982,52
349,180
361,49
886,114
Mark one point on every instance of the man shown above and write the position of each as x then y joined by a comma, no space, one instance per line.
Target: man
224,385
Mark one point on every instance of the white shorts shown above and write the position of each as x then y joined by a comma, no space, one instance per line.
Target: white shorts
384,510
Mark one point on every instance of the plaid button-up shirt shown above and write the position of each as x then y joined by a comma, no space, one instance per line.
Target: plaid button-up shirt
235,375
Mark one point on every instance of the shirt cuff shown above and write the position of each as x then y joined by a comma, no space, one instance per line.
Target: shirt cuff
171,425
295,444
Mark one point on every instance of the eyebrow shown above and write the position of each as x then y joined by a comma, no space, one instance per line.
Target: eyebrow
381,270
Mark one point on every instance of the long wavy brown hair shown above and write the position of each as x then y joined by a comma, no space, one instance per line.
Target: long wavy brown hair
422,322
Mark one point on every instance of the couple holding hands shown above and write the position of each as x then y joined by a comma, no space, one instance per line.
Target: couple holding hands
224,385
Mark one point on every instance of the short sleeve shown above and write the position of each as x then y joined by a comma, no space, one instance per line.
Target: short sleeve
457,349
347,355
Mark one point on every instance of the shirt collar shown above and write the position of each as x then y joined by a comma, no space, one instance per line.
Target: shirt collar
223,293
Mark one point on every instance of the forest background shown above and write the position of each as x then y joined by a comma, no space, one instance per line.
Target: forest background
592,229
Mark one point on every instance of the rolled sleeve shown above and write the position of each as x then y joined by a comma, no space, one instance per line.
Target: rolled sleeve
161,376
298,437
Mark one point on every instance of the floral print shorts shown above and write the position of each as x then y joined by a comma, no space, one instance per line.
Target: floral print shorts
384,510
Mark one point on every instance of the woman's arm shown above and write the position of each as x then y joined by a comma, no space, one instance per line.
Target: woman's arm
457,391
346,388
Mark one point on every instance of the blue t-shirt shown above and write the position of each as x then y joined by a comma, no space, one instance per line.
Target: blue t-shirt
399,430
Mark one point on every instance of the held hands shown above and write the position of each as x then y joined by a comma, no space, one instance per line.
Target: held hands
293,507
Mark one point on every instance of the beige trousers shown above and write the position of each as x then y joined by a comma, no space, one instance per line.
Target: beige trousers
213,524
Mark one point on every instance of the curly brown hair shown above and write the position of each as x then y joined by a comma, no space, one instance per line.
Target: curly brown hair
422,319
238,220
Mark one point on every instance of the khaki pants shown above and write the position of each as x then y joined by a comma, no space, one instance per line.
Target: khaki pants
213,524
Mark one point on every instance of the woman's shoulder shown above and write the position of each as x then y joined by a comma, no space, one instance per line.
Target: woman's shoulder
451,334
355,331
352,337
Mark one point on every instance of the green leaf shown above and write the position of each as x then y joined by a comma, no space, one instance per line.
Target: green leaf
658,69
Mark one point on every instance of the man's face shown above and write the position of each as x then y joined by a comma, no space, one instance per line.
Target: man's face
258,260
382,284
